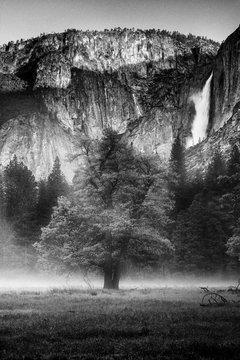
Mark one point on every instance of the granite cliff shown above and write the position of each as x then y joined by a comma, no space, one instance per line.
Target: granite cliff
57,86
226,81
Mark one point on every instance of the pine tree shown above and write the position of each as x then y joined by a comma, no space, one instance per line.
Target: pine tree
20,194
177,176
216,168
233,165
200,236
56,184
43,205
233,243
48,193
177,160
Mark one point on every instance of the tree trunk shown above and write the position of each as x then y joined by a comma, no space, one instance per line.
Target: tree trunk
111,271
112,277
108,283
116,276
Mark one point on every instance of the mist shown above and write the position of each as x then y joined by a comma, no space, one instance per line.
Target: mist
33,281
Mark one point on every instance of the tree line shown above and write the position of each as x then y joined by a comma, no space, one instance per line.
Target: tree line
25,207
125,208
206,213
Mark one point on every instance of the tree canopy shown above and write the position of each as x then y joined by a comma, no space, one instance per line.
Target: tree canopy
118,211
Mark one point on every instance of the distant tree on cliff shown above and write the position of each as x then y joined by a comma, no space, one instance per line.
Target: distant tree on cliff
20,195
119,210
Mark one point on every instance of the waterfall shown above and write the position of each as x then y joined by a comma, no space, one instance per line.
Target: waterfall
202,106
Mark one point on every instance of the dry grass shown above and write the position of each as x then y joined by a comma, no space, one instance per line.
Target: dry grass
131,324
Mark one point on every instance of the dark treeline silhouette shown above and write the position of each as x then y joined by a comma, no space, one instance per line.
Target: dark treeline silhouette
206,214
25,206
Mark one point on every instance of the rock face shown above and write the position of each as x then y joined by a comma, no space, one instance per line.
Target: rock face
199,156
58,86
224,122
226,81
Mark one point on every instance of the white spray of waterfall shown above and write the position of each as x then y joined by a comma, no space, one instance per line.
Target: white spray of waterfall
202,105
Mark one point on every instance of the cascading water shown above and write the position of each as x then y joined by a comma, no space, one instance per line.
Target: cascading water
202,105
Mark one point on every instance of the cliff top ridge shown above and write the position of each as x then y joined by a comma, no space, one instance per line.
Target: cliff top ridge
189,39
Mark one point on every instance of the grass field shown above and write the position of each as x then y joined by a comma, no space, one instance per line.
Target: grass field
165,323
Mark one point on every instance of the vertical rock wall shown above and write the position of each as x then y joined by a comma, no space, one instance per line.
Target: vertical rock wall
226,81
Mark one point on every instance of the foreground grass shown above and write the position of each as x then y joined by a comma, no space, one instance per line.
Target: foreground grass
130,324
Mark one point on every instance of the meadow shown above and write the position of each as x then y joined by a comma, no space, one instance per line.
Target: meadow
160,323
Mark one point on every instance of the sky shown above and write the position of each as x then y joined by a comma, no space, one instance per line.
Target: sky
215,19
